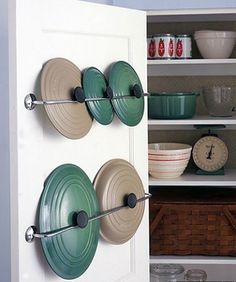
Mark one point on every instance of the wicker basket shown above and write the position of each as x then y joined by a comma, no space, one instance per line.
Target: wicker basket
198,222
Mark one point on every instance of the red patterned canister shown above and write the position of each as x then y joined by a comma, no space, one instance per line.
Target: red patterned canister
151,48
183,46
161,46
165,44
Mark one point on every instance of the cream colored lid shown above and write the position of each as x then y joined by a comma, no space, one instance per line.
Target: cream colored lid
116,179
58,79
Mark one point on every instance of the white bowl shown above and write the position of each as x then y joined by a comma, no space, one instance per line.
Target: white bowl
215,44
178,163
169,157
214,34
160,175
166,169
169,148
158,171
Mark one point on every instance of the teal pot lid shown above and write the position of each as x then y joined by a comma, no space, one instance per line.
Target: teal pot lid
68,190
115,180
122,79
95,85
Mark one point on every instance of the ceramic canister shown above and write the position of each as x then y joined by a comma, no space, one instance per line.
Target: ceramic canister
151,48
165,45
161,46
183,46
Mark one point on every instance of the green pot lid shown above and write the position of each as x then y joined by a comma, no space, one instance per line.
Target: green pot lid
116,179
58,79
122,78
95,85
68,190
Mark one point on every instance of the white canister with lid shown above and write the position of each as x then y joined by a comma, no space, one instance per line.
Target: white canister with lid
165,46
183,46
163,272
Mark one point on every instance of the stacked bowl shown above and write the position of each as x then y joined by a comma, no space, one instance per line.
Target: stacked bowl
215,44
168,160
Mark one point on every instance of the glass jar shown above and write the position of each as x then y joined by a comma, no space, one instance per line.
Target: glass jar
195,275
166,272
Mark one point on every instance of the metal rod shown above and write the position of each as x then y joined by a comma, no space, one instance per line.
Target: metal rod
31,100
108,212
53,102
31,232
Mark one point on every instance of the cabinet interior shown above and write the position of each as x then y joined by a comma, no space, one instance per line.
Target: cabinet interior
190,28
165,78
192,84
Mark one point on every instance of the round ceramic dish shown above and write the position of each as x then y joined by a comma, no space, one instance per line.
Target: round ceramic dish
58,79
115,180
68,190
169,148
121,80
215,44
94,86
172,105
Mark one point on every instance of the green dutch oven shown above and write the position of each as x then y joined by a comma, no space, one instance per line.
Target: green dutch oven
180,105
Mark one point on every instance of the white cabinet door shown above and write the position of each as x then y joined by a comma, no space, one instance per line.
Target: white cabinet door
88,35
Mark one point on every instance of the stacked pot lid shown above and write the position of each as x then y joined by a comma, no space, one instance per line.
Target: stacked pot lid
114,181
59,78
67,192
122,79
95,85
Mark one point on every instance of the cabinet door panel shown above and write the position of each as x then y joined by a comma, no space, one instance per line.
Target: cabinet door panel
88,35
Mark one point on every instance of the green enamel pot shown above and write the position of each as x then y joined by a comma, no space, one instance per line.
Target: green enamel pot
181,105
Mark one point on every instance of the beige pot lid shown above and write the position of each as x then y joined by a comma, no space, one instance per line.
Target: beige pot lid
58,79
115,180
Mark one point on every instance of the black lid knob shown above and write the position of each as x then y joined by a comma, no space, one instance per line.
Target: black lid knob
137,91
82,219
78,95
131,200
109,92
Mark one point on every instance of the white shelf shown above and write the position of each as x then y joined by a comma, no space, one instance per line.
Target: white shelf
191,67
193,259
153,124
191,15
191,179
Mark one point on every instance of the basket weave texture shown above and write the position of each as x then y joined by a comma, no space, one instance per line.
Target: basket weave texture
193,224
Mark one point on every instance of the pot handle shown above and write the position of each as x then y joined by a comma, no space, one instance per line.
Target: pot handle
157,219
230,216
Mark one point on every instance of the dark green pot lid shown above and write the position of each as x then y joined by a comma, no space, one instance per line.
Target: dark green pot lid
95,85
68,190
121,80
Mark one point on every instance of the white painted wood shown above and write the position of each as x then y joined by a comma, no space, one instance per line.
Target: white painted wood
196,120
227,14
190,124
189,178
89,35
5,195
190,67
